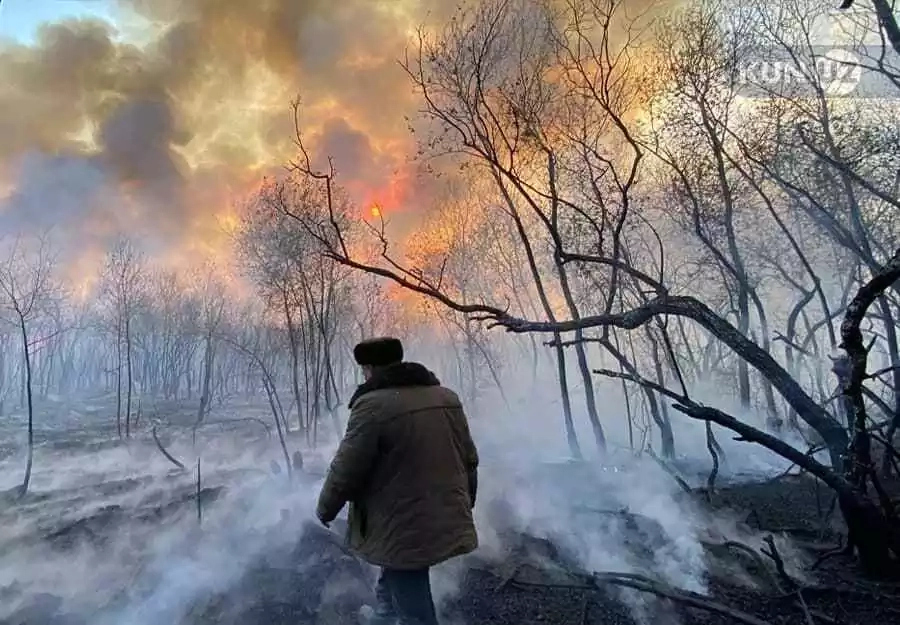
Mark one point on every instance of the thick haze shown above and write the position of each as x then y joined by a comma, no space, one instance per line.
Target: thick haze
160,131
159,125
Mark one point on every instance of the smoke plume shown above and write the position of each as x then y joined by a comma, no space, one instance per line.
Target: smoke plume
156,130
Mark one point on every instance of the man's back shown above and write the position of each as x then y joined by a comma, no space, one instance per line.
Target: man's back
424,437
408,466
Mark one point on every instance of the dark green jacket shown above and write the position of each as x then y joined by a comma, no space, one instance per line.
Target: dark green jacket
408,467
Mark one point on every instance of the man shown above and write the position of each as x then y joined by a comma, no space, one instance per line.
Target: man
407,465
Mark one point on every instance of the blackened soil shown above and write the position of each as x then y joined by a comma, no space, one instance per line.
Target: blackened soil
317,582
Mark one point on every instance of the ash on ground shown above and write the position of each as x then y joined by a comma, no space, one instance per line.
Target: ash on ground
123,546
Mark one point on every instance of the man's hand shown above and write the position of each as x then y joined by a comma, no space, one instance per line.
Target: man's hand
324,520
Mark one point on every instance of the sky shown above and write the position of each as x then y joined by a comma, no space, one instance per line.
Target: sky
19,19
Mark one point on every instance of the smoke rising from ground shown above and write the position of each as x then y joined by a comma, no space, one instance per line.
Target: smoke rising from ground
132,553
108,136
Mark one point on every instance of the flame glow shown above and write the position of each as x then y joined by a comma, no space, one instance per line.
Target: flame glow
159,136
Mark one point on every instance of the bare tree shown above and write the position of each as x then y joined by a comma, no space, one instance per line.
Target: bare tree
254,342
27,286
122,288
836,163
544,116
210,297
310,292
459,245
887,20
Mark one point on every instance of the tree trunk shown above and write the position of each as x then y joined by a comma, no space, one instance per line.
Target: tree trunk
667,437
295,363
208,357
276,409
887,19
472,374
28,396
661,414
744,329
119,374
128,372
571,435
872,533
890,331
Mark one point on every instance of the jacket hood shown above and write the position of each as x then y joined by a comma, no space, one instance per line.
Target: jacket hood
399,375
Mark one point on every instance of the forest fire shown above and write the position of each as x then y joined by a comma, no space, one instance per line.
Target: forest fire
651,332
186,115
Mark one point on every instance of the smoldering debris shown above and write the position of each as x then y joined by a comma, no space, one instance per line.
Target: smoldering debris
315,581
118,543
145,559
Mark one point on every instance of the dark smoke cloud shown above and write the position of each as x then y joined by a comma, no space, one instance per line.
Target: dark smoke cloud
177,126
101,134
51,189
349,148
136,141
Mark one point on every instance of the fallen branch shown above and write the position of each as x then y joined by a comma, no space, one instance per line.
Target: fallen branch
165,453
660,589
775,557
239,420
507,580
670,470
757,559
790,582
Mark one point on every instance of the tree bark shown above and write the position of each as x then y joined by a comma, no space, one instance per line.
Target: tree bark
873,543
274,405
26,350
890,331
119,372
203,409
128,372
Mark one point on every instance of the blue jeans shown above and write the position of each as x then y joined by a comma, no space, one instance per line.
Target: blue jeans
404,598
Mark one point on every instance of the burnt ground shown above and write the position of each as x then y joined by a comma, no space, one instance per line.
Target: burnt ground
796,509
307,576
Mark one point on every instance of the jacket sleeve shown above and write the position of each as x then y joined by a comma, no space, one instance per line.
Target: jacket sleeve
351,464
470,458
